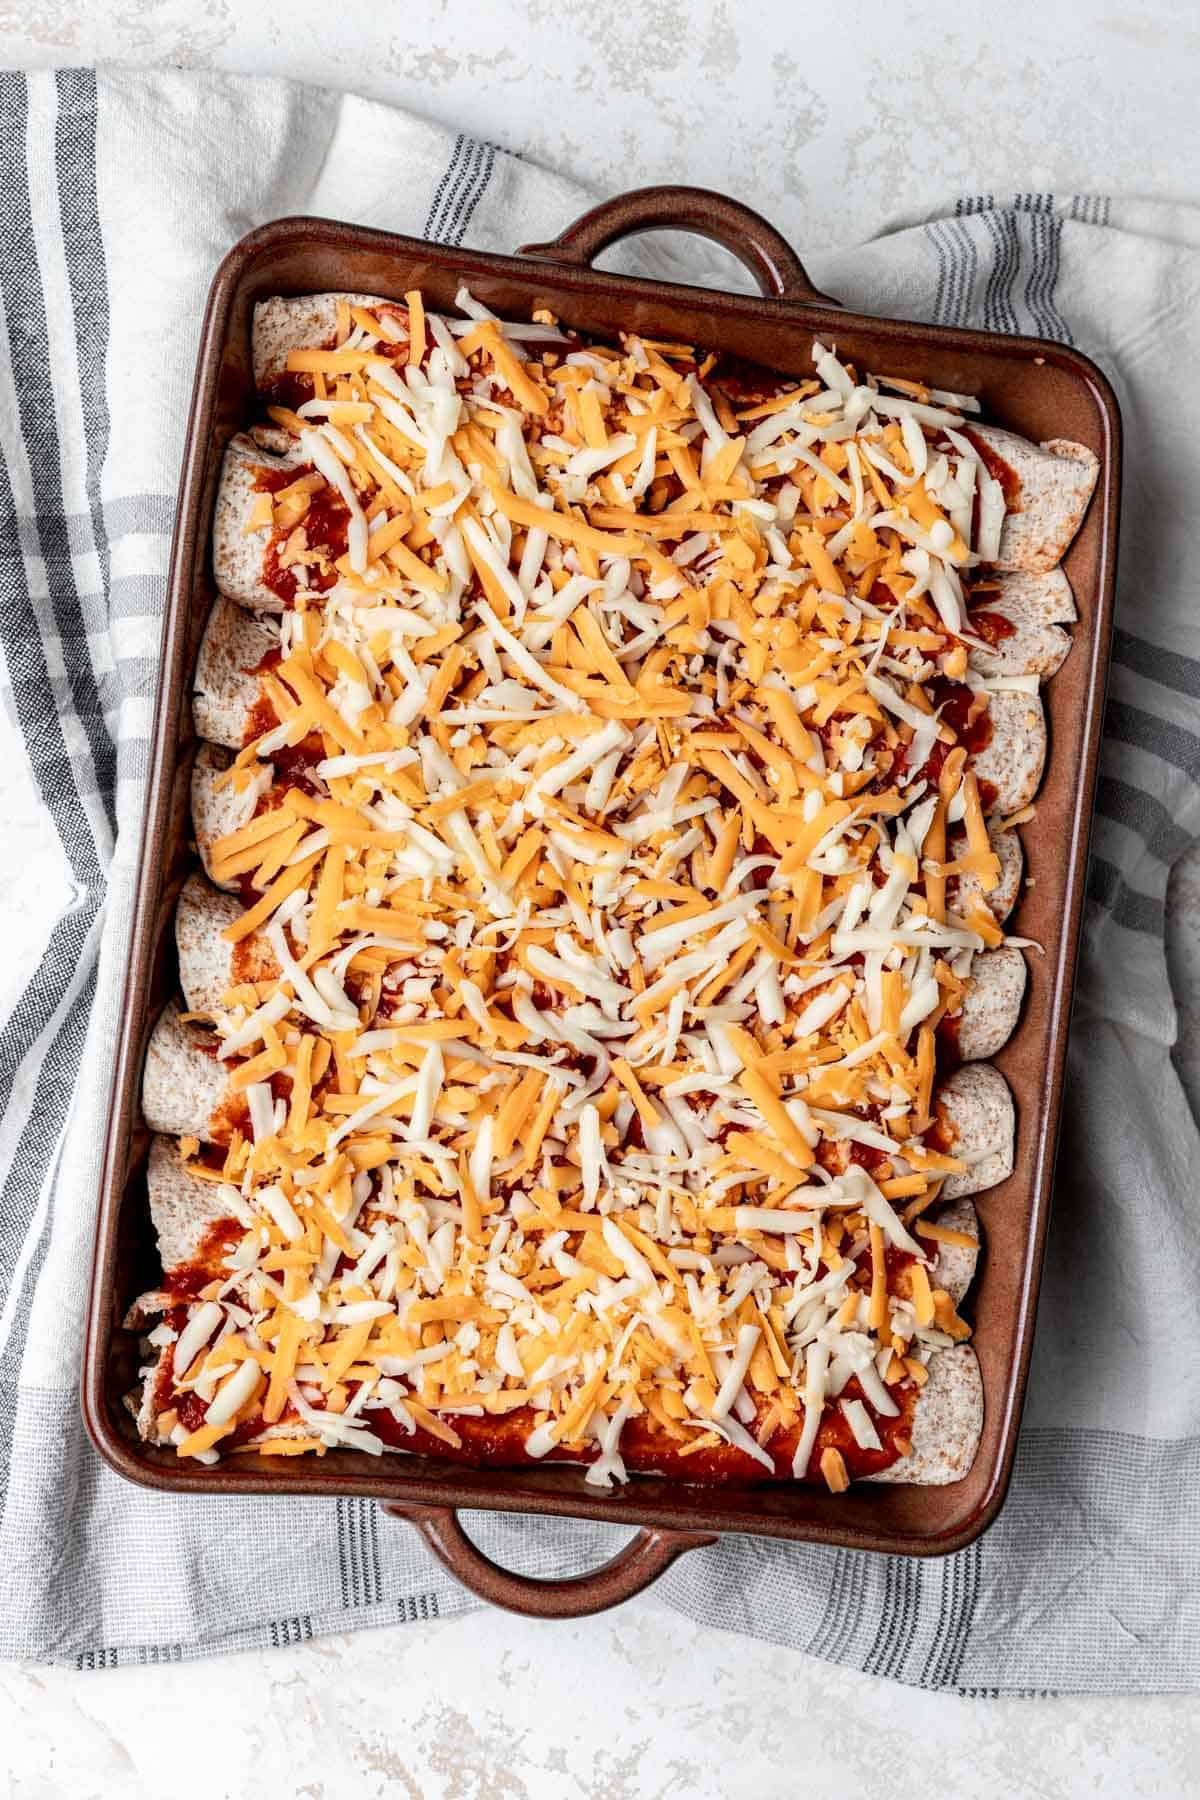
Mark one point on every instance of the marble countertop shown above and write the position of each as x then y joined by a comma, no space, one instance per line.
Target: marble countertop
835,127
834,121
636,1705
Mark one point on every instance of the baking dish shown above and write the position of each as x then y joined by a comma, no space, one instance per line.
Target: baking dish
1039,389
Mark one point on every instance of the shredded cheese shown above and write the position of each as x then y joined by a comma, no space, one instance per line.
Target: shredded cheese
604,939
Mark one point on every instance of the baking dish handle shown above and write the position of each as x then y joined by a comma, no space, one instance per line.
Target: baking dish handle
633,1568
746,234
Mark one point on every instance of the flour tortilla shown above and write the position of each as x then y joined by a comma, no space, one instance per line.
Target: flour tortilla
185,1090
953,1266
977,1108
1014,757
297,322
992,1003
963,890
208,963
954,1269
225,689
1057,481
238,552
947,1422
1037,607
183,1207
1048,591
216,811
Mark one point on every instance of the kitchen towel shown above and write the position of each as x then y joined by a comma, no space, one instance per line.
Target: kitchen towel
119,193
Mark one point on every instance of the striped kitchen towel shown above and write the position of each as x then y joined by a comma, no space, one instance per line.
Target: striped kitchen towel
118,196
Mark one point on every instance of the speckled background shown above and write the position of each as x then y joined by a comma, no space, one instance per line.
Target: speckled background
837,121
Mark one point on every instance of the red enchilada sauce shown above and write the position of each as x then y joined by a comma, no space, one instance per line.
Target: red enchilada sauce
497,1441
325,526
967,716
218,1240
997,468
992,627
963,711
191,1409
288,388
948,1053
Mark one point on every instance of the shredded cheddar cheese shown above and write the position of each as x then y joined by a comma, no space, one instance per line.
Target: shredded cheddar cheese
613,917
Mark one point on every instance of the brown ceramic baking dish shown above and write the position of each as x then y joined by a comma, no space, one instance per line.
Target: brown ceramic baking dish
1039,389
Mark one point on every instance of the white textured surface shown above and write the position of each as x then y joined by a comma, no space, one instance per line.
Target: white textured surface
864,115
639,1706
833,118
